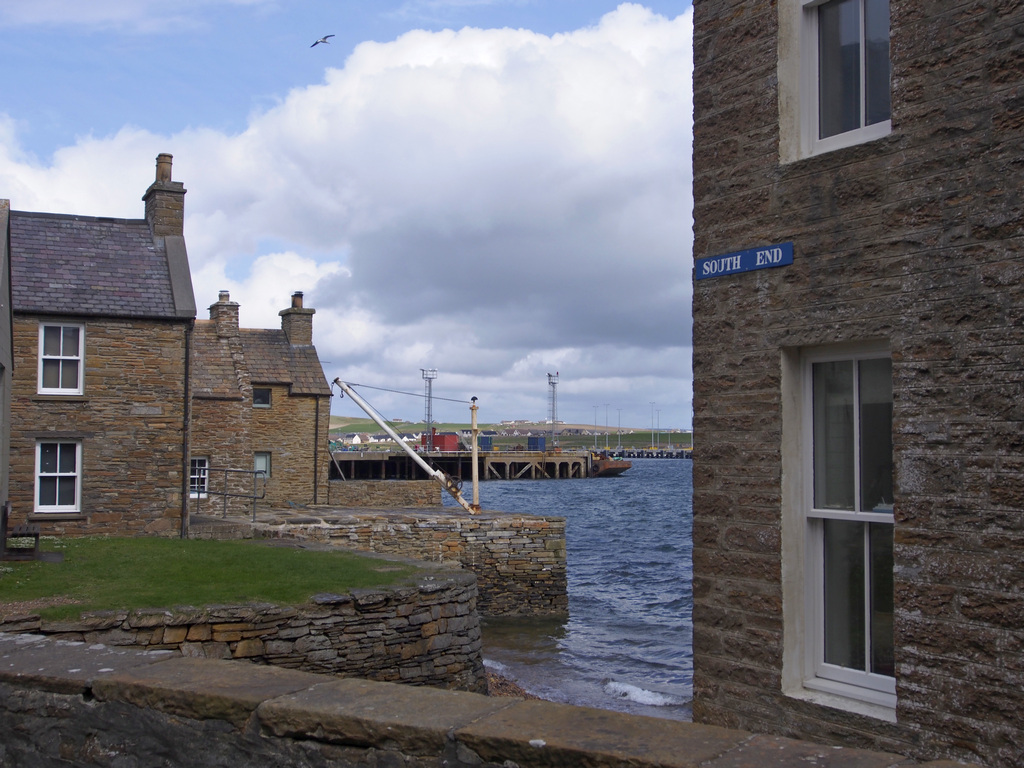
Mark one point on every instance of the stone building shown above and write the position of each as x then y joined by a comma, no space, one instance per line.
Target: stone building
6,351
261,412
102,313
859,373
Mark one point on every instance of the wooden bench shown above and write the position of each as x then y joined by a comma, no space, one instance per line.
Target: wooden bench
22,531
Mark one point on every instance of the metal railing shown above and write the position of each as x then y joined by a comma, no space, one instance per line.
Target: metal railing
259,487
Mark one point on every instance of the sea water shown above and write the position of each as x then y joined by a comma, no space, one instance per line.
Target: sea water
627,643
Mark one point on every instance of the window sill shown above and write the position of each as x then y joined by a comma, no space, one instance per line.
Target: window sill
76,397
846,698
37,516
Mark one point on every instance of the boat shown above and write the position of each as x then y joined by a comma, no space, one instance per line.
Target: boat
605,465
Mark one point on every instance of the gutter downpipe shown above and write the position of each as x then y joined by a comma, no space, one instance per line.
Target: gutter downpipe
316,448
186,432
444,480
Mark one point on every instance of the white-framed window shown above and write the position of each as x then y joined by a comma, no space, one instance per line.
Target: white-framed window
261,463
846,506
198,477
58,476
61,359
834,74
261,397
837,527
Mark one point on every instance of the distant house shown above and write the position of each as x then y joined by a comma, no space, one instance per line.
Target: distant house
102,313
261,411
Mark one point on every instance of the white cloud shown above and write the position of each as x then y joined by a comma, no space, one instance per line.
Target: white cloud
491,203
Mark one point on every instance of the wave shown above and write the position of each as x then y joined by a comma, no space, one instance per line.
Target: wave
641,695
496,666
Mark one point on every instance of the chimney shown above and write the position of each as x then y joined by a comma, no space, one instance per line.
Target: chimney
297,323
225,315
165,201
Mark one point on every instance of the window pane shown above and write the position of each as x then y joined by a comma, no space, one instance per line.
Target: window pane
67,460
876,435
48,458
261,463
882,657
876,61
69,374
839,67
51,374
70,348
66,491
197,475
51,340
833,435
844,593
261,396
47,491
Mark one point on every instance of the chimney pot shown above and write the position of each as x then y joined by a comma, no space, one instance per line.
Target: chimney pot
163,166
224,296
297,300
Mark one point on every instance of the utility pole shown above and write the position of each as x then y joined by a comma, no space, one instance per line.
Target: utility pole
553,404
429,374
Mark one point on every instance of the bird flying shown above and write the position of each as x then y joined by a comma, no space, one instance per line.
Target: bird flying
323,40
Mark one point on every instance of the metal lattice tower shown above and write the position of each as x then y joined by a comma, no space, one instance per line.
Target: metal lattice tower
553,403
429,374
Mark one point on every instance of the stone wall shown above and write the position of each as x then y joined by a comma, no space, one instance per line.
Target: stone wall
63,704
384,493
915,240
298,472
519,560
129,422
424,634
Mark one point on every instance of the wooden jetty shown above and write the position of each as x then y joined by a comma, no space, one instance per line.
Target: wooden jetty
493,465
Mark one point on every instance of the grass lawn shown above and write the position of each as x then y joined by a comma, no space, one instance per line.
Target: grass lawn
100,573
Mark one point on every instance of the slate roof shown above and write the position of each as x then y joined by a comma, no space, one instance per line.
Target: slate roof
268,356
84,265
273,360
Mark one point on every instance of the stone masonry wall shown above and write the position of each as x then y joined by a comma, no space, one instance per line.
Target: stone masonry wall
915,239
227,444
129,421
298,470
519,560
426,634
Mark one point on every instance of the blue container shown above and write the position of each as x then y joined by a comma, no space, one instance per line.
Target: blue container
485,442
535,443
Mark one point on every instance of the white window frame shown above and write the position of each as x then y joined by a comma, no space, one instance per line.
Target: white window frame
58,474
798,87
805,675
195,489
79,359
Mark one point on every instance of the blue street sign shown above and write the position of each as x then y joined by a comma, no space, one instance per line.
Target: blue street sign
763,257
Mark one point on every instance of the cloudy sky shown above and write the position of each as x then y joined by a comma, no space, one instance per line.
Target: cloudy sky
496,189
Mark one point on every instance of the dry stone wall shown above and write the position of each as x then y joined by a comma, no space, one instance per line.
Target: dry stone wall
519,560
424,634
